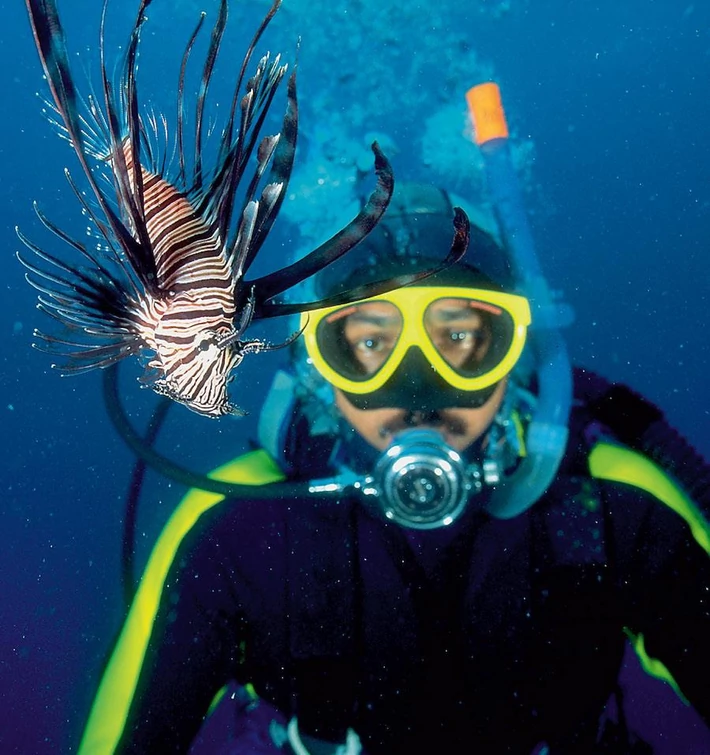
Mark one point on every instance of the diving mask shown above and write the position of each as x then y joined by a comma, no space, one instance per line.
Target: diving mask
463,341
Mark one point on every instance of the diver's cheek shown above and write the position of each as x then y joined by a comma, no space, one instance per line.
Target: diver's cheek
472,424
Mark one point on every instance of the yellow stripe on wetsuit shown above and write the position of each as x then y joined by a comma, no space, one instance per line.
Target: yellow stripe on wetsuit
620,464
110,709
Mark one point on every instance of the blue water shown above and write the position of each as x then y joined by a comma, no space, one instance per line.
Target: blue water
610,97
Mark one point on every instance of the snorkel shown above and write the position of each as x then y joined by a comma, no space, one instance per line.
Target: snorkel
547,432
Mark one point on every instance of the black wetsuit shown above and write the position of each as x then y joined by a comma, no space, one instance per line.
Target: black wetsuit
491,636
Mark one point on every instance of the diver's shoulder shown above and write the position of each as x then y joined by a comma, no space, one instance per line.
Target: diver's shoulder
617,409
249,531
239,512
628,455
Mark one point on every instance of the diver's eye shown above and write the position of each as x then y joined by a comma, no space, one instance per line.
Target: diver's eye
465,337
374,345
370,344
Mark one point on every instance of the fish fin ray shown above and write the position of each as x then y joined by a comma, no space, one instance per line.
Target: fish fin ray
275,283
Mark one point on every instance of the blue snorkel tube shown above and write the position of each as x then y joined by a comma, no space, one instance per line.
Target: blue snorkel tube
547,433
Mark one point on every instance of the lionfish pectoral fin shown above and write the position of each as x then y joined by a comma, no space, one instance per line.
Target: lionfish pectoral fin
233,410
94,302
246,314
275,283
459,245
256,346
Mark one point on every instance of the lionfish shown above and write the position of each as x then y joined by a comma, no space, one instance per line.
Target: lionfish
169,276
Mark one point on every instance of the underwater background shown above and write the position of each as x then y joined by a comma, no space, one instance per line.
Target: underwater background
608,106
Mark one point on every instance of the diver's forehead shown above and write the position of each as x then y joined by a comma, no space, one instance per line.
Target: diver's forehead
452,309
385,312
372,312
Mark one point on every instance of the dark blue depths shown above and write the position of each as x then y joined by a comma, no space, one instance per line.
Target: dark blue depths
611,95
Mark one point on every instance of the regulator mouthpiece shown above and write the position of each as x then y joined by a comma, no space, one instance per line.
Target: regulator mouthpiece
421,482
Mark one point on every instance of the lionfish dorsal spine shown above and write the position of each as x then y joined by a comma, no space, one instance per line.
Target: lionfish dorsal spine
243,240
280,152
215,42
181,112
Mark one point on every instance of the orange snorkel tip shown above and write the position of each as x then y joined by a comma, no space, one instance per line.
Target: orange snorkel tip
487,114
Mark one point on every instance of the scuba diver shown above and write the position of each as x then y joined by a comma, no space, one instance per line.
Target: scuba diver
445,538
407,601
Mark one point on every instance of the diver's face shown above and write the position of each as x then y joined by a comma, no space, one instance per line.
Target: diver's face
459,427
459,335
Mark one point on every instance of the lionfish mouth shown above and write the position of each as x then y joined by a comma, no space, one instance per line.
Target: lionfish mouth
178,240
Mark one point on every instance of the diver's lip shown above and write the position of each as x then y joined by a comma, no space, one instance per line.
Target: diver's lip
447,428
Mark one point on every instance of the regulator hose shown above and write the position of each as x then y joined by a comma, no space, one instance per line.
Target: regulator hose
147,456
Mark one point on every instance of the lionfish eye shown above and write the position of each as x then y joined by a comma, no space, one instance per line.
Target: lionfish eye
206,343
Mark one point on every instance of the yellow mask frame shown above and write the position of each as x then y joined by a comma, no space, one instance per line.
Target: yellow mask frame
412,303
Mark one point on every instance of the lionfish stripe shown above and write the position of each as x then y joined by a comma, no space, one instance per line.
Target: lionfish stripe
192,314
275,283
207,378
171,223
178,341
188,251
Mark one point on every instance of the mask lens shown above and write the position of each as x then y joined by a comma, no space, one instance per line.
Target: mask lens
471,336
357,340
